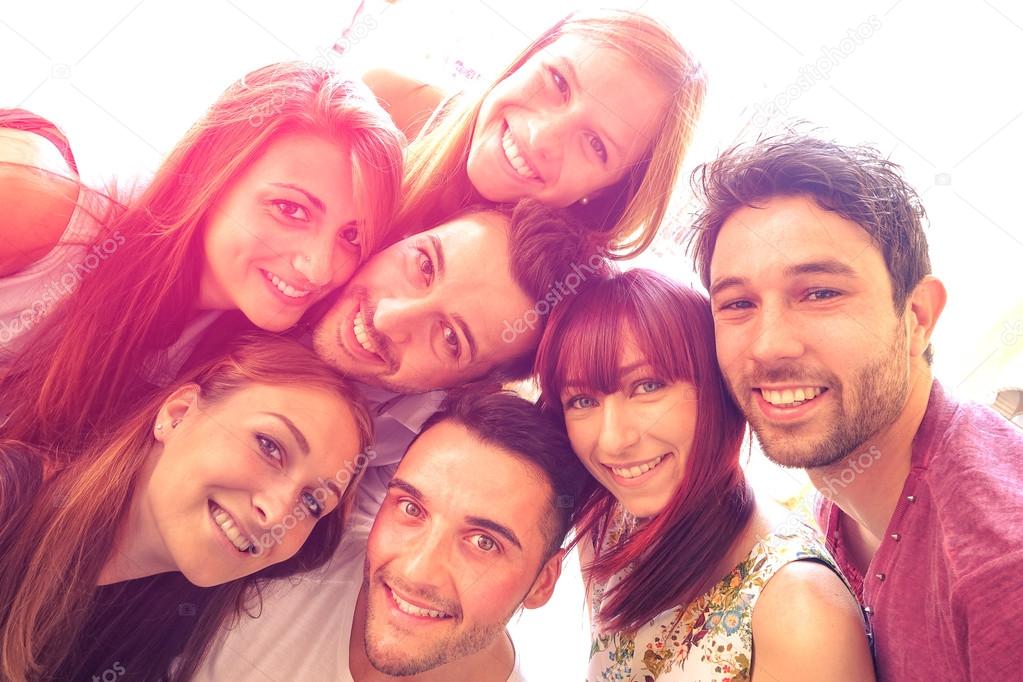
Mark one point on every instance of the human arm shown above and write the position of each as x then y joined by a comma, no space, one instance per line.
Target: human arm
38,192
808,626
409,102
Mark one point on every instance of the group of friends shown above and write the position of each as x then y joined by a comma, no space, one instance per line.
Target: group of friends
255,421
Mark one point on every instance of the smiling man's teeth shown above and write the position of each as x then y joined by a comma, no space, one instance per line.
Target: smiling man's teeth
230,530
284,287
363,337
791,397
639,470
511,152
413,610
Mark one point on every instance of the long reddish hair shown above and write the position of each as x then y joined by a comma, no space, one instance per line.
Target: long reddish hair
676,555
54,546
81,369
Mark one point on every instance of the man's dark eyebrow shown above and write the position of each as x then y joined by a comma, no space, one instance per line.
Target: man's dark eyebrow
313,199
504,531
405,487
822,267
302,442
469,338
726,282
438,250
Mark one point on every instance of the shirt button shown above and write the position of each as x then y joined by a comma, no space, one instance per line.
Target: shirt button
867,610
911,498
880,576
896,537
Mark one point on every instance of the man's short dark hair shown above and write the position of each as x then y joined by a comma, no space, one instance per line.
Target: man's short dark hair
517,426
549,251
855,182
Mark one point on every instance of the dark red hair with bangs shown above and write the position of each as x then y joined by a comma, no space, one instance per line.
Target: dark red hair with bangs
676,556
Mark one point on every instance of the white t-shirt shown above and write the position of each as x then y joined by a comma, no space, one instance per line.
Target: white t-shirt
305,627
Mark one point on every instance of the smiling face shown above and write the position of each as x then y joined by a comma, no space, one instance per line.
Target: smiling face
570,121
238,485
456,548
429,311
635,441
807,334
285,233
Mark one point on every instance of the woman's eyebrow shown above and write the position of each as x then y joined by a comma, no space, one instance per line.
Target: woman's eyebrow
302,442
313,199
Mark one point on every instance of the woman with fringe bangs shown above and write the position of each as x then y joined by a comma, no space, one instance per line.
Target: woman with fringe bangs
688,575
128,560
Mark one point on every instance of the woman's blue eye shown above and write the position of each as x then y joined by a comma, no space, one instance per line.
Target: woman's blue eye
312,504
580,402
269,448
648,386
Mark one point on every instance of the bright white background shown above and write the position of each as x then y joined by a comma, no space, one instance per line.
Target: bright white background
933,85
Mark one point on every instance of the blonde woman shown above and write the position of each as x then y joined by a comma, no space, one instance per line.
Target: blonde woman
595,115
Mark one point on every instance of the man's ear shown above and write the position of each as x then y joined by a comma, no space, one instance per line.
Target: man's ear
543,587
925,304
175,408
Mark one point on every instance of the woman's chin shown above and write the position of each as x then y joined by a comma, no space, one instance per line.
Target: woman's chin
274,323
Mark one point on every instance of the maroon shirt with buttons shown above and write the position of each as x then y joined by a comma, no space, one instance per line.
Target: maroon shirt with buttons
944,591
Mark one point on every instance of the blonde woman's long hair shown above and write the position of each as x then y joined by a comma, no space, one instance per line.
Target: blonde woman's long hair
625,216
54,545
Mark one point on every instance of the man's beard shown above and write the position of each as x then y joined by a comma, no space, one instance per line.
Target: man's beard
403,663
879,393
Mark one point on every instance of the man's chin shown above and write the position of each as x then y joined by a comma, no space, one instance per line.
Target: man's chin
807,446
396,660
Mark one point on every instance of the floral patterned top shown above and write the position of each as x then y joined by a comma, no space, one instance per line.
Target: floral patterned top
711,639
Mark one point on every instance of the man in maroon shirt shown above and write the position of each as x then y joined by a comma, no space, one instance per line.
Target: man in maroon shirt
824,304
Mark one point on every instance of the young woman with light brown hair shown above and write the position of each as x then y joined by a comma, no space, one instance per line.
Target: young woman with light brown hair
595,115
135,553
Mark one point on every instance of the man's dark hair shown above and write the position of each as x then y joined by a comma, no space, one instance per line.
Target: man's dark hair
855,182
517,426
547,246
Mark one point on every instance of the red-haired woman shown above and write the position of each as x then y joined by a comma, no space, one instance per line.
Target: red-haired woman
689,577
138,550
268,203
